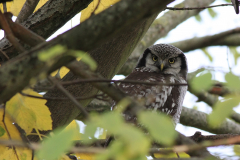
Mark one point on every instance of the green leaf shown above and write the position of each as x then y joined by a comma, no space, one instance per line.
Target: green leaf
233,81
51,52
236,149
135,139
235,53
198,18
2,131
202,82
58,144
212,12
85,57
223,109
207,54
160,126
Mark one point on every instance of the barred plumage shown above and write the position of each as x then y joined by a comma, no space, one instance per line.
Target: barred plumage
165,64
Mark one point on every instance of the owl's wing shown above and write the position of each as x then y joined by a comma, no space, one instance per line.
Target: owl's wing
154,97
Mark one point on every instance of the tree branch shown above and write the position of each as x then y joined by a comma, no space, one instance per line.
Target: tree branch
160,28
208,98
197,119
84,34
27,9
202,42
46,20
192,8
189,117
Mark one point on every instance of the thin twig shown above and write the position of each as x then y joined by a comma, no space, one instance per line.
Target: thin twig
198,137
57,98
181,148
4,7
187,148
192,8
4,54
122,81
95,8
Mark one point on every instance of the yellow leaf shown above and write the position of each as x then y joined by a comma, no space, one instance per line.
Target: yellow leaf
74,126
22,153
63,71
85,156
9,4
104,4
43,115
171,155
16,6
10,127
29,112
40,4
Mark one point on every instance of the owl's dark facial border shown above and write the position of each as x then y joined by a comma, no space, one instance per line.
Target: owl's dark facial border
184,68
142,61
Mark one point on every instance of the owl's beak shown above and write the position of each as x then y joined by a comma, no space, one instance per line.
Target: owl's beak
162,65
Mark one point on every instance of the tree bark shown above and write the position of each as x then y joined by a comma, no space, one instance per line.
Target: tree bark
46,20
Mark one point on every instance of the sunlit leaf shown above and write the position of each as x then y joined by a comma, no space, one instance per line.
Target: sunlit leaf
29,112
223,109
51,52
75,126
202,82
171,155
16,6
57,145
233,81
122,104
133,142
160,126
198,18
212,12
23,154
135,139
207,54
14,133
2,131
22,115
94,7
235,54
86,156
85,57
236,149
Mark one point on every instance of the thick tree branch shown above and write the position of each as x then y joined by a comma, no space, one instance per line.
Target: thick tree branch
208,98
202,42
160,28
27,9
46,20
197,119
224,38
89,34
135,25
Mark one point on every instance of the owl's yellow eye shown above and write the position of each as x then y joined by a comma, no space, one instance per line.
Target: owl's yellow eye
171,60
154,58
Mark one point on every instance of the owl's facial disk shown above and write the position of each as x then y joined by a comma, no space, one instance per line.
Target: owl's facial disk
169,65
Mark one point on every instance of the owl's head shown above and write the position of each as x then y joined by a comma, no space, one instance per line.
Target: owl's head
165,59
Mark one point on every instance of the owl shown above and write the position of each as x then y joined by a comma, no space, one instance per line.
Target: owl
165,64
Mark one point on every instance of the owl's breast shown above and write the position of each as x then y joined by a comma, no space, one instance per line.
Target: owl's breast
163,98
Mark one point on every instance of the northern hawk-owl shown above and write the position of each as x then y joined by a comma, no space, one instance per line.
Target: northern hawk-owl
161,63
